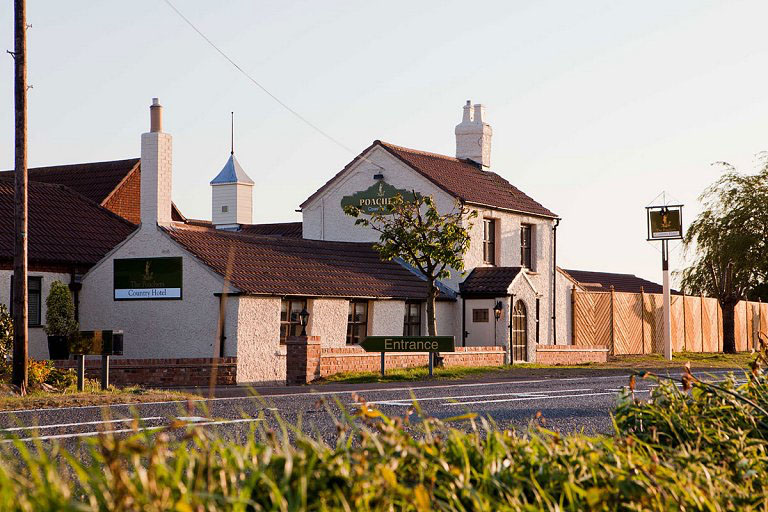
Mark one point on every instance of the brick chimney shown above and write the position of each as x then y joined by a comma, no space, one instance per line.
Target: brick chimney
473,135
156,170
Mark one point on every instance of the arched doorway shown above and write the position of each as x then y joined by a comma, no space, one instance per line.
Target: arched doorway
519,333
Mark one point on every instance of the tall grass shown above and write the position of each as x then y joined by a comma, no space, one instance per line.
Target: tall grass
698,450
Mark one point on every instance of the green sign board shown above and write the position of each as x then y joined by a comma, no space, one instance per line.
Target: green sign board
375,198
148,279
408,344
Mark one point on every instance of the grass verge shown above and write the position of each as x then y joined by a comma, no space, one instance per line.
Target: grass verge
73,398
408,374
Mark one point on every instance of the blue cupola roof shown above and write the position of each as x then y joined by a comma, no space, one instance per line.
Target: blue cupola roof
232,173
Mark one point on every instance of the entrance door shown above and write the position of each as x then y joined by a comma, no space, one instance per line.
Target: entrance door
519,333
479,322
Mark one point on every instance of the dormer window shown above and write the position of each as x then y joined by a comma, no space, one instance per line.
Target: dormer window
489,241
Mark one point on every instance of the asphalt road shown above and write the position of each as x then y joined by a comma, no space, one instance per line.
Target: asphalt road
567,403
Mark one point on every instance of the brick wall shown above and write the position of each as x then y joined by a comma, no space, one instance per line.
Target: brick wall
571,354
125,201
355,359
184,372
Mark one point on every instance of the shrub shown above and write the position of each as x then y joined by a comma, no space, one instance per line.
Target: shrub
60,311
6,334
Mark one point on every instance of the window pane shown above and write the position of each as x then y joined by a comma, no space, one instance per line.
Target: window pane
283,311
361,310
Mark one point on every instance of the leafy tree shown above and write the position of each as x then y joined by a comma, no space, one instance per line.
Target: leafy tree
416,232
730,237
60,311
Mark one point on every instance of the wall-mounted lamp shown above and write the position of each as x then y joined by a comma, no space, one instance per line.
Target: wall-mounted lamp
497,310
303,319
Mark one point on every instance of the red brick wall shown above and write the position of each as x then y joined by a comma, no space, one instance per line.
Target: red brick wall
184,372
126,201
355,359
571,354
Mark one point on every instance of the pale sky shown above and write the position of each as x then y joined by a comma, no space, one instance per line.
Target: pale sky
596,106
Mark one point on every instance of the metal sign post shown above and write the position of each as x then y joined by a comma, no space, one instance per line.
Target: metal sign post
665,223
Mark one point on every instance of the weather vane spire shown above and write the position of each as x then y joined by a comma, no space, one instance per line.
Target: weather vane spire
232,135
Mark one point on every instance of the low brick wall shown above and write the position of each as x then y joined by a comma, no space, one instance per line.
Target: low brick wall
183,372
571,354
355,359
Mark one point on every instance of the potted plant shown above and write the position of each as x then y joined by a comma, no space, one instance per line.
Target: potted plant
59,320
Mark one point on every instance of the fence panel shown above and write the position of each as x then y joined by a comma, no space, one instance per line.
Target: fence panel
653,329
693,334
710,325
740,326
763,320
592,318
678,323
627,323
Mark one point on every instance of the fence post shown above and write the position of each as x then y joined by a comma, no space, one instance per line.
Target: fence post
613,327
701,320
642,320
573,315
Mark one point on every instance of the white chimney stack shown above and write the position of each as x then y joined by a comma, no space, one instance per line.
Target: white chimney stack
156,170
473,135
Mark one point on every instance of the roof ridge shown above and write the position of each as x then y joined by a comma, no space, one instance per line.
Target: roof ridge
78,164
246,234
424,153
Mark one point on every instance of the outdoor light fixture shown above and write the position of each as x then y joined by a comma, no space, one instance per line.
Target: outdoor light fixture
497,310
303,318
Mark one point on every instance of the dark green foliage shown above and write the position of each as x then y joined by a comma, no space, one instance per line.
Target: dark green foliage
60,311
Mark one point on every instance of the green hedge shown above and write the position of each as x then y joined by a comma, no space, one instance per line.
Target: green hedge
698,450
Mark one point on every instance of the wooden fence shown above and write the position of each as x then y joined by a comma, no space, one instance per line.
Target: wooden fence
631,323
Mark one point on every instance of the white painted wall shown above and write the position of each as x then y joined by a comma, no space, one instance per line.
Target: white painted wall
386,317
260,356
156,329
38,340
328,319
521,290
564,310
237,197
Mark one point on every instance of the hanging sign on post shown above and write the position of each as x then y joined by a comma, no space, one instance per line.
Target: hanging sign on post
665,222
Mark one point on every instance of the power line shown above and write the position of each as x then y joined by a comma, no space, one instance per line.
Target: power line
256,82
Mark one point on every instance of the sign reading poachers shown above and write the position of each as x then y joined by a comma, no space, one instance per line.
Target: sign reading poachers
148,279
665,222
375,198
408,344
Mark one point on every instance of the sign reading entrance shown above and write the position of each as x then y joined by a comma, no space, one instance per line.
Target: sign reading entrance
665,222
408,344
375,198
148,279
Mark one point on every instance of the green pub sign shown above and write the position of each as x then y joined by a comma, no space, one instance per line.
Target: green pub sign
148,279
375,198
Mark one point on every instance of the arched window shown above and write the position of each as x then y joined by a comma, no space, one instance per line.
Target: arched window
519,333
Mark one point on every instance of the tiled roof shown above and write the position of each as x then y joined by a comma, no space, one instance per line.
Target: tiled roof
489,281
459,178
287,229
64,227
96,180
603,281
272,265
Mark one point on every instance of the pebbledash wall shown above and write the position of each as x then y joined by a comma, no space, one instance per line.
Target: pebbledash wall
38,340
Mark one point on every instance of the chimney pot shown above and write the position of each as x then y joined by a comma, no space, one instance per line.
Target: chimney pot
155,116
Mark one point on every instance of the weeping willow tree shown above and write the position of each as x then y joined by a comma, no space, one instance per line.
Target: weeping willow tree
729,240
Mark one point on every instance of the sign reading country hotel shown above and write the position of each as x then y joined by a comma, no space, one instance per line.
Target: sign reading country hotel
375,198
148,278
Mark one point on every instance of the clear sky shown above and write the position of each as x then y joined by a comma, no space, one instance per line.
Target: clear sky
596,106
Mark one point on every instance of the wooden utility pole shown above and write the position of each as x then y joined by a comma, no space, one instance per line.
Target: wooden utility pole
20,312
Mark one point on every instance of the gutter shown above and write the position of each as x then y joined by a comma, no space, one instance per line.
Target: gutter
554,280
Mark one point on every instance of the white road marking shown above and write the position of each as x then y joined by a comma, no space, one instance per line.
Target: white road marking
456,397
59,425
122,431
338,392
526,398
